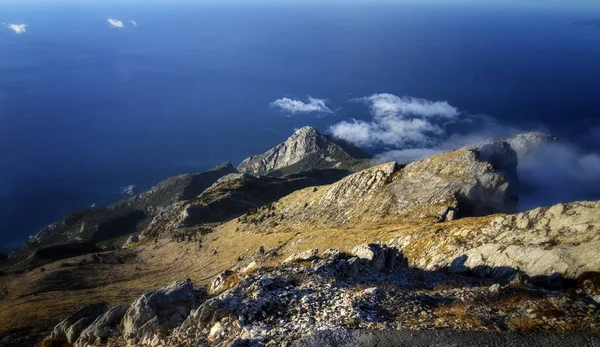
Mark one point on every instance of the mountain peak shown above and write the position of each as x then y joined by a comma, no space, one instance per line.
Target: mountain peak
306,149
307,130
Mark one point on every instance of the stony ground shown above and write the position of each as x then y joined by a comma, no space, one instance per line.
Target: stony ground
277,306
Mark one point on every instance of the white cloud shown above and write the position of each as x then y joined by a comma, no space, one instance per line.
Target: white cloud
115,23
294,106
134,23
397,122
386,105
17,28
470,130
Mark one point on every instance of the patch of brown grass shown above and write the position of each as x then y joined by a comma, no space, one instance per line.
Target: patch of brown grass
514,298
458,312
525,324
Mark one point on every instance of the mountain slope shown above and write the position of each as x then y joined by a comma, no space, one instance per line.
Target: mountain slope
233,195
112,223
306,149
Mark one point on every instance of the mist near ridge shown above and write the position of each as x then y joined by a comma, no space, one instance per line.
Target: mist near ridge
550,170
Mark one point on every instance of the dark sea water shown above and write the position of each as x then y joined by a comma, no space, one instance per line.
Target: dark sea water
86,109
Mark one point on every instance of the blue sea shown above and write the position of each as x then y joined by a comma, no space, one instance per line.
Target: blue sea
87,108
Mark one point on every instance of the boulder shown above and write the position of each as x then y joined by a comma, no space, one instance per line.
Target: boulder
309,255
218,284
156,313
379,257
103,327
211,311
71,327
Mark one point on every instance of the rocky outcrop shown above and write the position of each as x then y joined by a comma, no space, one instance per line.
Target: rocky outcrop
306,149
154,314
563,239
543,243
309,255
379,257
104,327
280,305
69,329
372,288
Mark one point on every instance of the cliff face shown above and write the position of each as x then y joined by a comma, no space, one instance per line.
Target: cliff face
306,149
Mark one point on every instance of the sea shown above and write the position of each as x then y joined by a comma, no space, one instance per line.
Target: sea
89,109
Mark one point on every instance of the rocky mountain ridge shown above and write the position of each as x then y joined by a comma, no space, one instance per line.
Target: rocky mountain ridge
465,182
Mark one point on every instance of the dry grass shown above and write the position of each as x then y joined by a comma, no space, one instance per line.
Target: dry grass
459,312
132,245
516,297
524,324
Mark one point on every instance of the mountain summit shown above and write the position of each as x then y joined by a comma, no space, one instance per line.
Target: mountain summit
306,149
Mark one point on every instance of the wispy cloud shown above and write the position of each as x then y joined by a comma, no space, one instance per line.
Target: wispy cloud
17,28
134,23
294,106
115,23
397,122
390,105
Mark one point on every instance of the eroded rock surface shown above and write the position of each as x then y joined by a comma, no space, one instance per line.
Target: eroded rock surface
102,328
155,313
562,240
71,327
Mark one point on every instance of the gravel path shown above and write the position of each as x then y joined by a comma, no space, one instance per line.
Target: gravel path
445,338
